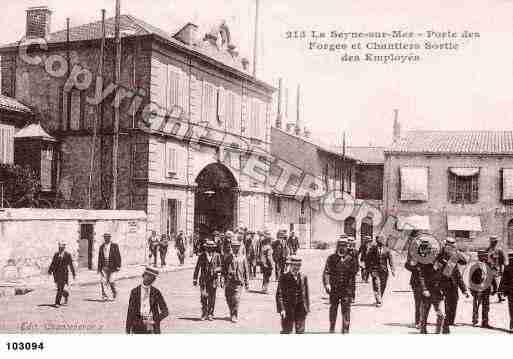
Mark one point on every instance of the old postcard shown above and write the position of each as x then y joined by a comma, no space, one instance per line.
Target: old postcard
257,167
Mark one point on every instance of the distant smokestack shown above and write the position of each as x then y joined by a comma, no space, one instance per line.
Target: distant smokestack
38,22
279,116
397,126
298,109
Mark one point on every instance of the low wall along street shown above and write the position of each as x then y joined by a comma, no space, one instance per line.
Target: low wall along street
29,238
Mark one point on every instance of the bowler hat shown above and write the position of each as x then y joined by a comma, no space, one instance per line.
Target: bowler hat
107,235
482,254
62,244
235,243
342,239
151,271
494,238
210,243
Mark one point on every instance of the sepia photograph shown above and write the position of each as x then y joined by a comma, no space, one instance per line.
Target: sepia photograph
255,167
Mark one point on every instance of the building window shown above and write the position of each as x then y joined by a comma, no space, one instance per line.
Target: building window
210,102
6,144
463,185
256,119
278,205
462,235
303,206
46,169
173,89
171,162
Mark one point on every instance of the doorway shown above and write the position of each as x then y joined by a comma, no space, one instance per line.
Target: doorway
510,233
85,246
215,200
366,227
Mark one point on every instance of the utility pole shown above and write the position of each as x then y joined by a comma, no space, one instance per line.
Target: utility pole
255,49
96,116
117,80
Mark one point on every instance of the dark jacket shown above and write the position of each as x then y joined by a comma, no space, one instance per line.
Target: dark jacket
506,285
114,256
158,307
379,262
287,294
208,271
430,279
59,267
280,250
414,269
339,273
235,270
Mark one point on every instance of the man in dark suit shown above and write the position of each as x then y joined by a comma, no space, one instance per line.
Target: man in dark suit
235,273
338,276
379,258
506,287
208,267
59,268
362,254
293,298
146,306
109,262
280,253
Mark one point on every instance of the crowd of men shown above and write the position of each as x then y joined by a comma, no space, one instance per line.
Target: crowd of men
229,260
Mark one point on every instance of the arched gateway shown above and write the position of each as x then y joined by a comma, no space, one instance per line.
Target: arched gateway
215,200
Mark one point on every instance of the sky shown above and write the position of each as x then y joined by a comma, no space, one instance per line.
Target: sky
465,90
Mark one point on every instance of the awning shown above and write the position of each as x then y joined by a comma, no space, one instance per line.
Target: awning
464,223
464,171
414,183
413,222
507,184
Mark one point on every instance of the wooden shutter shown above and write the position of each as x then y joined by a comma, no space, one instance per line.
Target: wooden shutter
208,102
46,169
184,93
170,165
221,105
3,144
163,215
159,83
75,110
173,88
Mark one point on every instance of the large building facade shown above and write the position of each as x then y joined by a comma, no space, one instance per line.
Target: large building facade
187,180
452,183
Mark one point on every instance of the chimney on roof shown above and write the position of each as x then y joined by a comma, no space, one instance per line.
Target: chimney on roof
290,128
188,34
38,22
298,114
279,116
307,132
245,64
397,126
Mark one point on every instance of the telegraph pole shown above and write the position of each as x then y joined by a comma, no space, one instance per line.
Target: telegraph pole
117,79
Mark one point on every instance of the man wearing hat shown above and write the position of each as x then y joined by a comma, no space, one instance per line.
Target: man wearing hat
109,262
153,245
379,259
362,254
208,267
293,298
293,243
280,253
146,306
352,250
339,271
180,244
251,253
59,268
452,280
506,287
235,273
496,260
266,262
481,278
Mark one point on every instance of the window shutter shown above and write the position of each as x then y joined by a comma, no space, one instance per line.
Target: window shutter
173,88
3,156
237,112
221,105
163,216
75,110
170,161
184,91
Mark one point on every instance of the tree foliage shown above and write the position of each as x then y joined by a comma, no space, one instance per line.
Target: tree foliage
21,186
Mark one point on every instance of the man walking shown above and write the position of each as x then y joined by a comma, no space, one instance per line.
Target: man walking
153,245
496,261
59,268
163,246
251,253
109,262
208,267
480,282
180,247
452,279
293,298
146,306
379,259
280,253
338,275
235,273
506,287
266,262
293,243
362,255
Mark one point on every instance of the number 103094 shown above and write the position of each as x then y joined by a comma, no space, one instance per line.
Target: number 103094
25,346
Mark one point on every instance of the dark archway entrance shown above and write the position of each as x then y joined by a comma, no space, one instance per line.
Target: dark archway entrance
366,227
215,200
510,233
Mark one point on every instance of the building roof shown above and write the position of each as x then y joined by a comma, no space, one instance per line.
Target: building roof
34,130
367,154
132,26
10,104
455,142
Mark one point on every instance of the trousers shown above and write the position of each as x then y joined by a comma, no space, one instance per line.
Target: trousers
233,293
417,298
345,309
61,292
163,254
266,277
107,280
510,308
480,299
294,319
208,299
451,304
379,284
441,323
